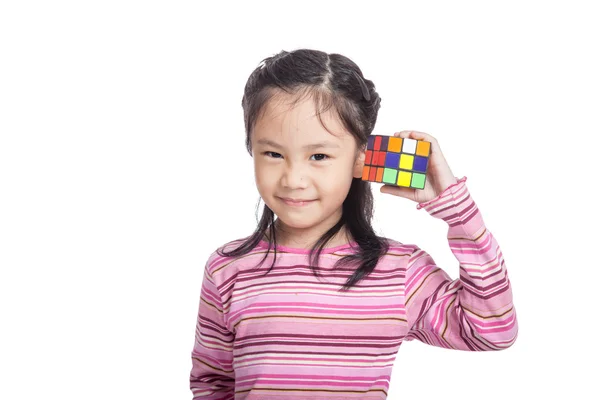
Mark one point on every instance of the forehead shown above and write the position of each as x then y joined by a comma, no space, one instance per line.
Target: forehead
298,122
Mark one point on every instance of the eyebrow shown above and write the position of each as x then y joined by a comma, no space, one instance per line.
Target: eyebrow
314,146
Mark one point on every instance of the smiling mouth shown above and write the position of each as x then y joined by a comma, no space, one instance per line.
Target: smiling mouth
296,203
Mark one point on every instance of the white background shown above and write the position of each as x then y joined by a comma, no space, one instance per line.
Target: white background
123,166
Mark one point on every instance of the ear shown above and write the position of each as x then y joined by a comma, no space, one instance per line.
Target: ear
359,164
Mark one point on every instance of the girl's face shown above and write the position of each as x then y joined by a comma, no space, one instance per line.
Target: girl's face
303,173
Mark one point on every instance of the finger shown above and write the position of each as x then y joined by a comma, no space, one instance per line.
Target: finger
415,135
404,134
397,191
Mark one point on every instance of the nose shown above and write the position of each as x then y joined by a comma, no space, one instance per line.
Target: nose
295,177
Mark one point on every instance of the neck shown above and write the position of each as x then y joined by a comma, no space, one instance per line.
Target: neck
306,239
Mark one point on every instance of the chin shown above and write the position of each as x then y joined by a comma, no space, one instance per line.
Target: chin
299,222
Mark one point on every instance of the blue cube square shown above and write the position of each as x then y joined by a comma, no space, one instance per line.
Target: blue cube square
392,160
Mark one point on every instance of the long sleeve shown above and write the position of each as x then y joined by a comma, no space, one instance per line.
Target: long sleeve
474,312
212,376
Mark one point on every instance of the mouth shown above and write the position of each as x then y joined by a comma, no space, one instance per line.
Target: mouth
296,202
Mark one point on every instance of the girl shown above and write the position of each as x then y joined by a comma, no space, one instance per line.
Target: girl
333,331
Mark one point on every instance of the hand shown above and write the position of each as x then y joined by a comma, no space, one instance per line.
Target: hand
438,178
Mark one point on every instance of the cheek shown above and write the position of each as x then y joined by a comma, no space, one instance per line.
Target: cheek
264,178
336,184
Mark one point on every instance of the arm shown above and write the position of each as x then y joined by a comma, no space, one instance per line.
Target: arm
212,376
474,312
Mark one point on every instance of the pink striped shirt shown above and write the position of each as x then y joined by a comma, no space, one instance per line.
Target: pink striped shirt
290,335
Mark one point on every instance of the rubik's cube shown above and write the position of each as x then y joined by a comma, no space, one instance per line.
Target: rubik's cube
396,161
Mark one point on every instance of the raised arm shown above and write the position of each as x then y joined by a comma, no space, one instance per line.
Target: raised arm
474,312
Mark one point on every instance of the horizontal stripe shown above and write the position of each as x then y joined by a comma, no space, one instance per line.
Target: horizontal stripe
289,334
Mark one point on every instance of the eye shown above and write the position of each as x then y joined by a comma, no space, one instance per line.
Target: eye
268,154
324,156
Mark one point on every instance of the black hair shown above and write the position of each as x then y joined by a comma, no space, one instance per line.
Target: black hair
332,80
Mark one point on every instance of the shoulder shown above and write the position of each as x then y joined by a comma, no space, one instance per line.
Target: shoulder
231,245
398,253
412,257
395,246
218,258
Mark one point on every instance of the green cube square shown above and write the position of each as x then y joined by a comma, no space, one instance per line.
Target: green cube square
389,175
418,181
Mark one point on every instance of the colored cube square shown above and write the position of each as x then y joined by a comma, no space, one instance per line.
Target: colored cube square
423,148
406,161
403,178
389,176
377,143
384,143
409,146
420,164
373,174
392,160
379,176
371,142
365,175
395,144
418,179
396,161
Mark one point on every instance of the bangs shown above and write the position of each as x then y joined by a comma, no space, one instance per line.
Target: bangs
324,100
